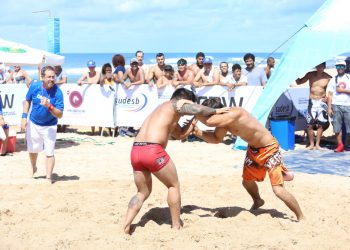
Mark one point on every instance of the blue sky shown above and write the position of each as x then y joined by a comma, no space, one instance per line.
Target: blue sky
158,25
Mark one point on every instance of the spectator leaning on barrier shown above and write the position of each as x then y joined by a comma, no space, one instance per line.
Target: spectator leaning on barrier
339,102
46,99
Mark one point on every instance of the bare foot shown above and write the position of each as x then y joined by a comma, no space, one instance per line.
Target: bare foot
50,180
257,204
311,147
301,217
288,176
35,169
318,147
127,229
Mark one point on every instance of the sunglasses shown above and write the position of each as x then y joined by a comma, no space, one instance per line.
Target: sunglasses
340,66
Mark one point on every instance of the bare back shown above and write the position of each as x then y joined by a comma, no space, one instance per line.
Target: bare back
159,124
239,122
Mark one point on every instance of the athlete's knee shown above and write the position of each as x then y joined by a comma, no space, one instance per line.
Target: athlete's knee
278,190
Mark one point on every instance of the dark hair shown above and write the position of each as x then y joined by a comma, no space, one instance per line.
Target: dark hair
224,63
181,61
159,55
200,54
249,55
104,67
236,66
118,60
322,64
139,51
44,69
168,68
213,102
183,93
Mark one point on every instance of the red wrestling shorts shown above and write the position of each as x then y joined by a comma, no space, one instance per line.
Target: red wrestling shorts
258,161
146,156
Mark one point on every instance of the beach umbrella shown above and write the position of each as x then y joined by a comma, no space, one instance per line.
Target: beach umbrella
325,35
12,53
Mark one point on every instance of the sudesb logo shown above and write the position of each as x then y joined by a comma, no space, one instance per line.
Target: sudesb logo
133,104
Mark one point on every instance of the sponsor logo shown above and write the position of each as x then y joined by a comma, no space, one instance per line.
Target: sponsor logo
132,104
12,50
342,85
160,160
75,99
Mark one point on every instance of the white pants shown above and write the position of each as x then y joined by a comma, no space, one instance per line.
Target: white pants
41,138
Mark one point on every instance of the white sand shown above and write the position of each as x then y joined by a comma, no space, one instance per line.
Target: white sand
85,208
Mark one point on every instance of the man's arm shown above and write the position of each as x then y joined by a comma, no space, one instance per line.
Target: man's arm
215,136
303,79
141,77
196,109
180,133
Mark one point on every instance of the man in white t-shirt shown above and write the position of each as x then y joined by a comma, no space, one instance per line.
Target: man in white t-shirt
339,102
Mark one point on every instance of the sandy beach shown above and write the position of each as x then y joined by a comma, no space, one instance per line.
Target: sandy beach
85,207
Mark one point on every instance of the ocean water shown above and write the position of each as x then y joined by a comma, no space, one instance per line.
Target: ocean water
75,64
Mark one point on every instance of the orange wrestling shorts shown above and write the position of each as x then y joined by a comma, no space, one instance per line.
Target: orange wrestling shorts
258,161
147,156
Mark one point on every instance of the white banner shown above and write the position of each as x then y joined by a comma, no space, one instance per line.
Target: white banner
92,105
88,105
135,104
165,93
12,97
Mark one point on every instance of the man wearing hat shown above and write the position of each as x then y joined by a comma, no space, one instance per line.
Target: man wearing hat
91,77
135,74
317,117
208,76
167,79
339,102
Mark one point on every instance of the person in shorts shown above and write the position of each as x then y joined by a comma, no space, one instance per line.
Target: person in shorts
46,99
148,155
263,154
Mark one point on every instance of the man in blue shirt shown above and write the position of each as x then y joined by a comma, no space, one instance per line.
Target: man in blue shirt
46,99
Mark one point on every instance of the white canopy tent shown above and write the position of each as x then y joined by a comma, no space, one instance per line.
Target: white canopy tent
12,53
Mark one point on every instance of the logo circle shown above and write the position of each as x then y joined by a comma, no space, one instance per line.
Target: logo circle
75,99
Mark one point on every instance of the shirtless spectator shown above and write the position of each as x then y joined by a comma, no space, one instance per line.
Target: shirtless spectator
135,74
270,64
139,56
263,154
256,76
208,76
317,117
18,75
148,155
183,76
91,77
225,76
196,67
167,78
157,70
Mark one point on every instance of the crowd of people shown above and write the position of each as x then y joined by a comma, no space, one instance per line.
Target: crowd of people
325,97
